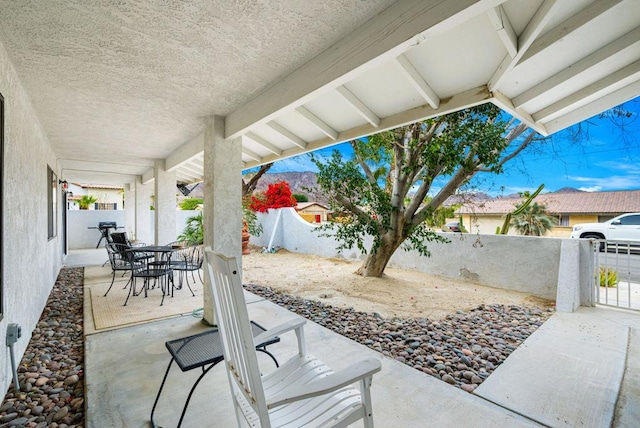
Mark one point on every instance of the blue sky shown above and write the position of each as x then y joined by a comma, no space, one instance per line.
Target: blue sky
608,158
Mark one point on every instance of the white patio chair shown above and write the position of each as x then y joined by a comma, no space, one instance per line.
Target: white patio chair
303,392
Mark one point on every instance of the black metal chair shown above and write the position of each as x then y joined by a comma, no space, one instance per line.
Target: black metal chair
187,257
152,270
119,262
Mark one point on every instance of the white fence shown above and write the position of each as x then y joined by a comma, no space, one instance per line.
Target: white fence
527,264
79,221
617,274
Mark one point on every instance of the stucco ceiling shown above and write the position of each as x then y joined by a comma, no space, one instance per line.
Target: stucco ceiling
119,84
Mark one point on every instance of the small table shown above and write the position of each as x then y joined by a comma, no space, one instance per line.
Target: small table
143,267
201,350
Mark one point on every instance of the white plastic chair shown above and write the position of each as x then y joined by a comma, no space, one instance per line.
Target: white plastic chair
303,392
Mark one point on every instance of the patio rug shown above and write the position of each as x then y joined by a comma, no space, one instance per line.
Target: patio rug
108,311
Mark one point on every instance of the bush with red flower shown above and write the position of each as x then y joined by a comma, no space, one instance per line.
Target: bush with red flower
277,195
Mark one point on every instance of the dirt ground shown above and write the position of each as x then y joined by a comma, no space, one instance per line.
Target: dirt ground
401,292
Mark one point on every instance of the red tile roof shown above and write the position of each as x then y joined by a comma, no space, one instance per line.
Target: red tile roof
618,202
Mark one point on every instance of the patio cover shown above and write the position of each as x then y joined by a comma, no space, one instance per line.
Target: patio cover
117,85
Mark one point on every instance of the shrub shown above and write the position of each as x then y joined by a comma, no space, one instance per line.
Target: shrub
300,197
608,277
189,204
278,195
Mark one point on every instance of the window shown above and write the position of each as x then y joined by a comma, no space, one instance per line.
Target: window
1,204
630,220
106,206
563,220
52,194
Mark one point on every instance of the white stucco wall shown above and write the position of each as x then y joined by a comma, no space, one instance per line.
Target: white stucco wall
521,263
31,261
80,236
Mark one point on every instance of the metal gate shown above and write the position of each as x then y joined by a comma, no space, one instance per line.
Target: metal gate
617,274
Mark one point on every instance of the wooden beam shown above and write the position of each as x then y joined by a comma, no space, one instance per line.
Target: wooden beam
466,99
533,29
618,46
568,26
502,101
264,143
185,152
595,107
293,138
359,106
251,154
416,80
612,82
503,27
318,123
385,36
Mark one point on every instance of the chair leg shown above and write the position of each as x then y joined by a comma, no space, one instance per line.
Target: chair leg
132,289
365,391
113,278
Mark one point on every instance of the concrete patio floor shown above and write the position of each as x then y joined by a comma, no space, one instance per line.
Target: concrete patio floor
578,369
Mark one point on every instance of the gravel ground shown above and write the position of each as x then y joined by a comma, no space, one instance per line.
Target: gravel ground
462,349
51,372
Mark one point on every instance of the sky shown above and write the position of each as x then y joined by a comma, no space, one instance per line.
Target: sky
606,158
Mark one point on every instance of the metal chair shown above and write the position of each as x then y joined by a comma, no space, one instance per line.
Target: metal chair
301,392
155,268
119,262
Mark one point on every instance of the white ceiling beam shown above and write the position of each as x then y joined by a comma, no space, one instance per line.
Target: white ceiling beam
533,29
288,135
466,99
623,77
185,152
252,155
359,106
317,122
568,26
504,103
603,103
264,143
416,80
385,36
629,41
148,176
190,176
505,30
190,169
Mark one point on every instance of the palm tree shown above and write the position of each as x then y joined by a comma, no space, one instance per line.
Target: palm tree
533,220
85,201
193,231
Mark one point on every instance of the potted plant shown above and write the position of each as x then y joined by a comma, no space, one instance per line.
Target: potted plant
85,201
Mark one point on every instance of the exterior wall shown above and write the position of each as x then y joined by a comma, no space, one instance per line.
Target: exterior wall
487,224
484,259
314,211
80,220
31,261
106,196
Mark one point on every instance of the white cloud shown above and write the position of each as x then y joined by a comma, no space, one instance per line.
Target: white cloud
615,182
590,189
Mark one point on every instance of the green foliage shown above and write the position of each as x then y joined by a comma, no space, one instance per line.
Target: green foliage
608,277
300,197
383,191
519,209
85,201
189,204
193,231
533,220
251,218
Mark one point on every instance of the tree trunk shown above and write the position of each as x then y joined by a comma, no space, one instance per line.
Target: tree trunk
376,261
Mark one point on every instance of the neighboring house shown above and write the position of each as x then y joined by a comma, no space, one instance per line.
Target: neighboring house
569,208
313,212
107,197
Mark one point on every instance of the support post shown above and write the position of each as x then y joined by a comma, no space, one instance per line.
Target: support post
165,203
222,216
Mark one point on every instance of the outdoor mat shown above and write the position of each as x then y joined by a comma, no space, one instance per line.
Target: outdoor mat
109,312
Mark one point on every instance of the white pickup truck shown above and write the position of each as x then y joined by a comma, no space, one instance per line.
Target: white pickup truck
625,227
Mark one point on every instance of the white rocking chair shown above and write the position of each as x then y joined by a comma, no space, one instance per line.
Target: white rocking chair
303,392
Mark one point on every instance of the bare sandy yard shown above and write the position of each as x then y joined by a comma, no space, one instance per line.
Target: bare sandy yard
401,292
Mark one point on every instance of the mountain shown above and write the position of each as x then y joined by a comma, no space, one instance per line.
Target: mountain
568,190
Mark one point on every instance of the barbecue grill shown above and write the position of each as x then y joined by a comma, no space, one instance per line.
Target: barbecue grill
104,227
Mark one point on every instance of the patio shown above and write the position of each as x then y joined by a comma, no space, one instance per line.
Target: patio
584,351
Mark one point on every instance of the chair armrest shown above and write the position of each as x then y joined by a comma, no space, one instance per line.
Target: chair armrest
278,330
354,373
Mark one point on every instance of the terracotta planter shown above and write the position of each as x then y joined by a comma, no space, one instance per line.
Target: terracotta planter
245,239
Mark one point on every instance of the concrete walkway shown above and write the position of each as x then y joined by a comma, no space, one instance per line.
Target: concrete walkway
578,369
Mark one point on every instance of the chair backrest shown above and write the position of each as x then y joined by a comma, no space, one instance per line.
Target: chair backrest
117,256
120,238
233,322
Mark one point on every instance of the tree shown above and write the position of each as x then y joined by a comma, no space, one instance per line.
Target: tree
383,190
533,220
193,231
249,186
189,204
85,201
300,197
277,195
